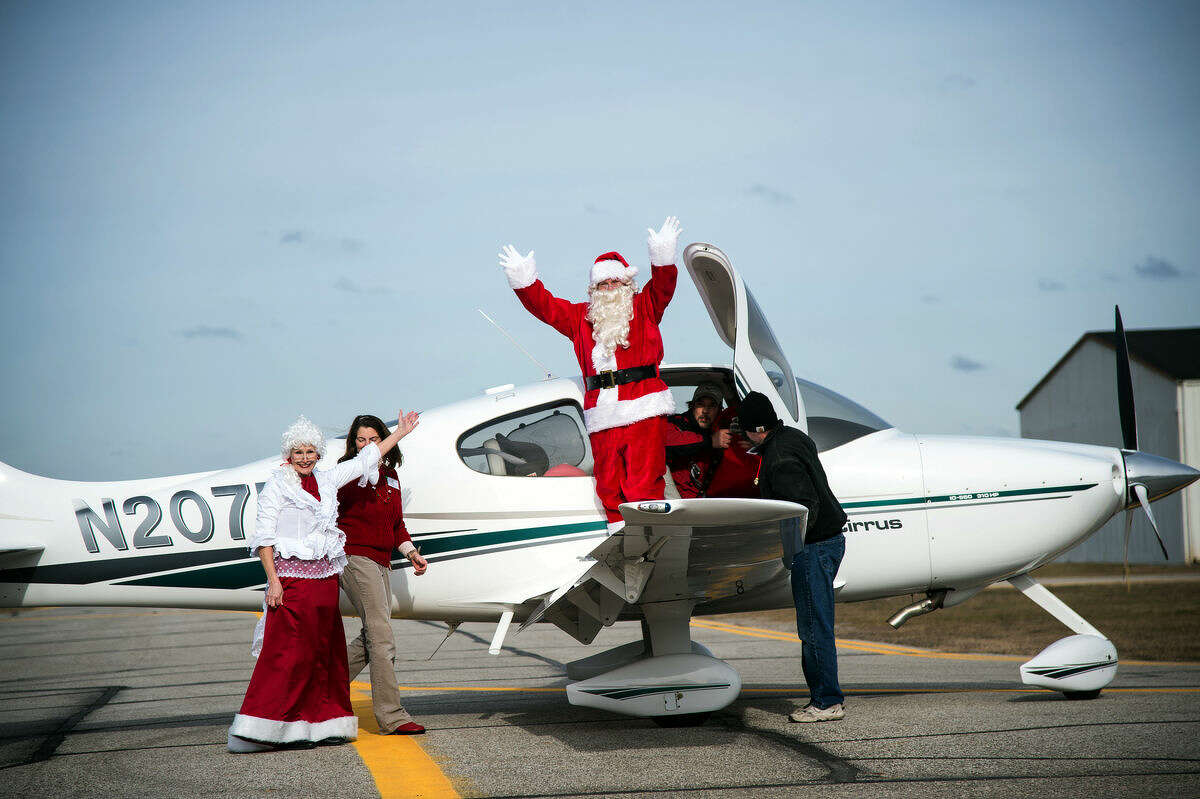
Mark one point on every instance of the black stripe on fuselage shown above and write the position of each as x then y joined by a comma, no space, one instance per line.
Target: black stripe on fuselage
98,571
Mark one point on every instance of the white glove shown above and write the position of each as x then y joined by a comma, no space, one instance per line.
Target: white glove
663,243
521,270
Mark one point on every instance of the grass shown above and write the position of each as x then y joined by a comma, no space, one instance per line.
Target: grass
1150,621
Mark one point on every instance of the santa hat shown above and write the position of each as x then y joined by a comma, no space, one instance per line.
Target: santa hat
611,265
302,431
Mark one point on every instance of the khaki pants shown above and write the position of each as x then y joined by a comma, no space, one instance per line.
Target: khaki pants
366,583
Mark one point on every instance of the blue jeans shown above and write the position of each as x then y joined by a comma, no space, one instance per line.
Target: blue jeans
813,569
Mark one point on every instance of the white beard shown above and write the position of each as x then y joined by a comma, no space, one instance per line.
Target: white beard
610,313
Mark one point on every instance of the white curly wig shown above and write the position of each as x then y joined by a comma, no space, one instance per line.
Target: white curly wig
302,431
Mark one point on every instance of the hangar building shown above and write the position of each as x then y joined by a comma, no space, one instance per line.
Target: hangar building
1077,401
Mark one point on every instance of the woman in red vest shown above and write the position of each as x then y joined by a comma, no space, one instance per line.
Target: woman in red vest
371,516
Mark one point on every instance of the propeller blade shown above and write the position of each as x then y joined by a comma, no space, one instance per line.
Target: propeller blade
1144,498
1128,527
1124,386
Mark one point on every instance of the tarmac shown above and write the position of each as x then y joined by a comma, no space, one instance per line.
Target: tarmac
130,702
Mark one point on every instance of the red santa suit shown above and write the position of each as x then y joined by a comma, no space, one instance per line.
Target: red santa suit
625,422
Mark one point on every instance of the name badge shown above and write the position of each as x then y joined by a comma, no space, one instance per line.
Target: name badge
394,483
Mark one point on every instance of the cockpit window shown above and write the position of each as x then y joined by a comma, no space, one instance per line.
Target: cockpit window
529,443
834,420
770,354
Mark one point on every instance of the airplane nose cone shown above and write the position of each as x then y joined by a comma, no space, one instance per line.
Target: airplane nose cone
1160,476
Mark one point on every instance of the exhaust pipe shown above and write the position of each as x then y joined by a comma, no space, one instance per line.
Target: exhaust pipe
929,604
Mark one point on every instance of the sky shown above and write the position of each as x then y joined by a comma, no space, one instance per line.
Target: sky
216,216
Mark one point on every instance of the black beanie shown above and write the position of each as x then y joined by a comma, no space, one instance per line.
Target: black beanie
756,414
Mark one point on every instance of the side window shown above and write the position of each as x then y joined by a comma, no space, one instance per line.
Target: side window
548,441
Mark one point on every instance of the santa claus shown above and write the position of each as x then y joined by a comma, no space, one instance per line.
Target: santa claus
619,348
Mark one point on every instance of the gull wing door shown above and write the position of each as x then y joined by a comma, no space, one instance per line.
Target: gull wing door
758,361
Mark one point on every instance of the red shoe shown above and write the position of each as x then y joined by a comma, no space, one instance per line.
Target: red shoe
408,728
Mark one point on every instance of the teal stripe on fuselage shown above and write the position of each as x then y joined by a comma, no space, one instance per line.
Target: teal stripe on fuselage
452,543
247,574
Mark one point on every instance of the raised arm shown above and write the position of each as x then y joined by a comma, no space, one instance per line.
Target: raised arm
369,456
660,288
521,271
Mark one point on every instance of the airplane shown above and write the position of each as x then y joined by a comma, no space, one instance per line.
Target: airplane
498,496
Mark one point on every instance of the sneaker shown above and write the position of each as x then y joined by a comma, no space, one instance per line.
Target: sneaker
811,712
408,728
241,746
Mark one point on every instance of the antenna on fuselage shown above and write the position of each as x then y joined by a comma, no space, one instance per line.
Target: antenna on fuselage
516,344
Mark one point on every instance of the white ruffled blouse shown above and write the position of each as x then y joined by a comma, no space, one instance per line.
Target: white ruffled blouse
302,530
297,525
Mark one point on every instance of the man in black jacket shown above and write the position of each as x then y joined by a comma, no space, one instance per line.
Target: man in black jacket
792,471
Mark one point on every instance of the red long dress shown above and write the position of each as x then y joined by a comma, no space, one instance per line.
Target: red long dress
300,689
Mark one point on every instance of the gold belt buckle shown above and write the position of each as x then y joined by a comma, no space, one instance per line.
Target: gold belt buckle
608,379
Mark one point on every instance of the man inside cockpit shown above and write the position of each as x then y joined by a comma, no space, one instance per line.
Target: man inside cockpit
705,455
694,444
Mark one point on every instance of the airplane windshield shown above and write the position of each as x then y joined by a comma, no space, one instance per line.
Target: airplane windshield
770,354
536,442
834,420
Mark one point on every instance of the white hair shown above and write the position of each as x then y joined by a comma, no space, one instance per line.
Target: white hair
302,432
610,311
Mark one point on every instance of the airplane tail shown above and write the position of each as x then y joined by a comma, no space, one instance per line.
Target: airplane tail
15,535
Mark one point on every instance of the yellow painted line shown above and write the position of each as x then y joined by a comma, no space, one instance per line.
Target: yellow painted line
897,649
400,767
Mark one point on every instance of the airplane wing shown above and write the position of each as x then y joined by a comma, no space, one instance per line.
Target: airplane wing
698,549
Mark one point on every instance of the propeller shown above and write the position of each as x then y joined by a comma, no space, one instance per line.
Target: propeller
1125,387
1129,439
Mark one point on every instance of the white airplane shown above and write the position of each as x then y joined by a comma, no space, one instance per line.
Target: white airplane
943,516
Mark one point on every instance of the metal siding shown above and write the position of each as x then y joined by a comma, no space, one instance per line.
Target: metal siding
1079,404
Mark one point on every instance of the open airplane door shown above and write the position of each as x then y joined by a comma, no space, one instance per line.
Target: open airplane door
758,361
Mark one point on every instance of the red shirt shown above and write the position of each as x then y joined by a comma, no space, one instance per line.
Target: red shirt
372,518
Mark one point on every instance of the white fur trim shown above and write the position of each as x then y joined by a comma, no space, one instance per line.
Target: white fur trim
286,732
607,270
623,412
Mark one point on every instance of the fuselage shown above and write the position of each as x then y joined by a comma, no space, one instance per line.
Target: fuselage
925,512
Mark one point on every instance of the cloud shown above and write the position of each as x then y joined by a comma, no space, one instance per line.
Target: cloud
321,242
207,331
1046,284
773,196
957,83
346,284
589,208
1158,269
962,363
930,299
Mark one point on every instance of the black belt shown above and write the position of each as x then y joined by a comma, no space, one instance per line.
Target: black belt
612,379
